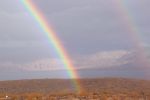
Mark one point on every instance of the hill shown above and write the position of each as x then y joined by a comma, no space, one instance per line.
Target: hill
102,86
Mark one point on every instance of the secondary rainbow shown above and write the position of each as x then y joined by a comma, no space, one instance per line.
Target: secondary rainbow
52,37
133,31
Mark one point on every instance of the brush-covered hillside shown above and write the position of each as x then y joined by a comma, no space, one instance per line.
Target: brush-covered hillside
67,85
107,87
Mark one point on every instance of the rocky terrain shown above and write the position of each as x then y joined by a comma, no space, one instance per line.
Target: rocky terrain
63,89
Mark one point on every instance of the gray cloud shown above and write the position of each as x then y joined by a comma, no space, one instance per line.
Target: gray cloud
92,31
17,26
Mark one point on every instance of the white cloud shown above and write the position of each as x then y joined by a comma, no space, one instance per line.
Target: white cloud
43,65
100,60
104,59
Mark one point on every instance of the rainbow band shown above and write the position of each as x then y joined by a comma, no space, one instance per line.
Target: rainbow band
51,35
133,32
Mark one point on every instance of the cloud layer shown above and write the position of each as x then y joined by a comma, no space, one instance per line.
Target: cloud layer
92,31
100,60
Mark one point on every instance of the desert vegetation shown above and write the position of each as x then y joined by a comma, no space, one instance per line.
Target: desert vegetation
61,89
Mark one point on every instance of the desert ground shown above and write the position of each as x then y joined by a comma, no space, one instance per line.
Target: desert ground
64,89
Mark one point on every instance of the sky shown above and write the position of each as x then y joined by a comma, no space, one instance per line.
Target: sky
103,39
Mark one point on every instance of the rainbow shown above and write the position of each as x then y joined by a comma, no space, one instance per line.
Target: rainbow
52,37
133,31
